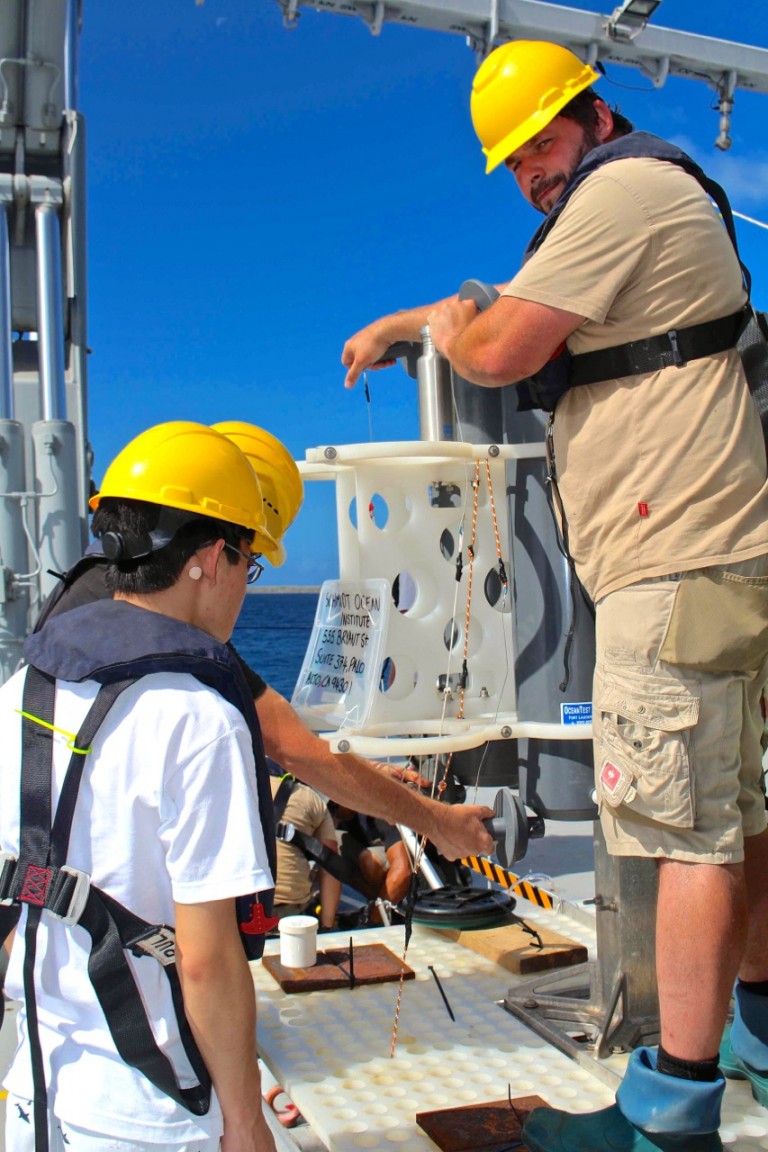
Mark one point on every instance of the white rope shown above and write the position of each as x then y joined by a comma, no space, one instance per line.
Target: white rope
751,220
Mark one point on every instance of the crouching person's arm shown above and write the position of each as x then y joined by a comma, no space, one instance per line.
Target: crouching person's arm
220,1003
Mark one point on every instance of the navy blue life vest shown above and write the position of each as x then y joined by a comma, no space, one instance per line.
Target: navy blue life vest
544,388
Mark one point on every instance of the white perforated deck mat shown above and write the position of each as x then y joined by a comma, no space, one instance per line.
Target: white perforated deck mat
330,1050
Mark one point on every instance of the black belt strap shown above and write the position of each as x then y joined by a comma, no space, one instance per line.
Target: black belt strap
673,348
34,846
332,862
112,929
313,848
753,349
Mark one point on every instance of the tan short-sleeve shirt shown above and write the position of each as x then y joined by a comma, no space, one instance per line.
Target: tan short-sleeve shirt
664,471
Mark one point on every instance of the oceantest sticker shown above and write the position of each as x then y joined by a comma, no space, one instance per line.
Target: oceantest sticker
576,713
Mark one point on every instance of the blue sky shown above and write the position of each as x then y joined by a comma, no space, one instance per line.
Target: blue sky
256,195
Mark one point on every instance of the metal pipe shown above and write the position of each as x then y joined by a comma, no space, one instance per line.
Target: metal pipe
6,332
426,867
50,312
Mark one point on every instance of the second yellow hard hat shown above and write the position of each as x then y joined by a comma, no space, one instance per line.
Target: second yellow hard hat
280,479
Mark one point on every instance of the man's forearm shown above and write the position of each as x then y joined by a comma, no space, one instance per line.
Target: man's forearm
357,784
350,780
368,347
511,340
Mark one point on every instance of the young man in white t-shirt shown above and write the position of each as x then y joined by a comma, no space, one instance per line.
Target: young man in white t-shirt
167,820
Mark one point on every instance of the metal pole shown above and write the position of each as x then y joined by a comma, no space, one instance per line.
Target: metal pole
427,869
50,316
71,42
6,358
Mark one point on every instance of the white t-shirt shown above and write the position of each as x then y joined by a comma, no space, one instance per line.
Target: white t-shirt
167,812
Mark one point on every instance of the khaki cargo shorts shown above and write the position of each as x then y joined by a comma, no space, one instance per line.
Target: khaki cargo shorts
679,727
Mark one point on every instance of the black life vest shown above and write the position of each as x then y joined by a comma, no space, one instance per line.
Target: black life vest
745,329
115,644
83,583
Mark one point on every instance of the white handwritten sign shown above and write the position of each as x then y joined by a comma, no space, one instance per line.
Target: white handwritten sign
342,666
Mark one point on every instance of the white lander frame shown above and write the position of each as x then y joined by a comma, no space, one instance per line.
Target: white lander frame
425,641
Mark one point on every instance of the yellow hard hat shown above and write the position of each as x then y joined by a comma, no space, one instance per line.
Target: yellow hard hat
518,89
280,479
193,468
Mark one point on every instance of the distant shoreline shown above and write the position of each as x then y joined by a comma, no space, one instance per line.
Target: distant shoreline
276,589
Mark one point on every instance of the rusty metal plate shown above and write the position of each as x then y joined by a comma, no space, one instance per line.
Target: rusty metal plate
373,964
489,1127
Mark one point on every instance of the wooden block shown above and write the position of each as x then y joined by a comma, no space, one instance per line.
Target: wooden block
373,964
487,1127
513,948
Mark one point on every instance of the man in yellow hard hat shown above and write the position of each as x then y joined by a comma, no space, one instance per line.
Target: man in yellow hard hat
660,463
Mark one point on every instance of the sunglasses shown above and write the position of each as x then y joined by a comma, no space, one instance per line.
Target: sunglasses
254,566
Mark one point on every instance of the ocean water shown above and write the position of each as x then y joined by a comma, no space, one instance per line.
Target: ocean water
272,633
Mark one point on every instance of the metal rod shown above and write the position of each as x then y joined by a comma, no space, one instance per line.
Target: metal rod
426,868
6,332
442,993
71,44
50,312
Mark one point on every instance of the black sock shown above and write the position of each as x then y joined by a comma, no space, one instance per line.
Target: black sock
701,1070
759,987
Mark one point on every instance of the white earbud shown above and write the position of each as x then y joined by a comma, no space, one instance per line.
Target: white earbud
195,572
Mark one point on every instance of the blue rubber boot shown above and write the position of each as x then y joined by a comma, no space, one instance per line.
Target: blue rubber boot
744,1050
653,1113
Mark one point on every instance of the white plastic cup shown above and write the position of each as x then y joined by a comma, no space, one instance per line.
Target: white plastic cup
298,941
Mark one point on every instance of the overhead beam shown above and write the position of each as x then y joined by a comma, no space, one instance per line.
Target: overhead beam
657,52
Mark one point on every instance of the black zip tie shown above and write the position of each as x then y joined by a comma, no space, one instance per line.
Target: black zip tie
518,1117
369,406
351,966
464,675
442,993
531,932
502,573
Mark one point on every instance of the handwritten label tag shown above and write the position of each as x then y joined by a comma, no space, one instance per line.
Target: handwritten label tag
342,666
